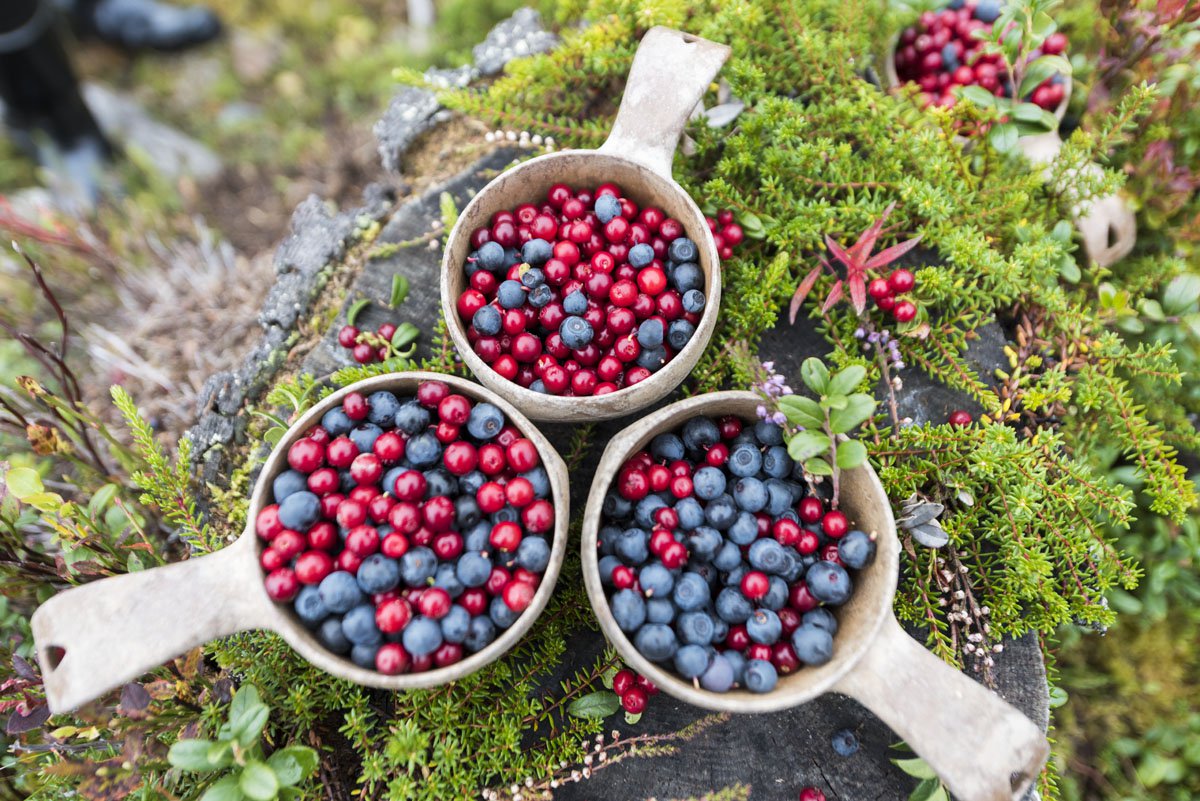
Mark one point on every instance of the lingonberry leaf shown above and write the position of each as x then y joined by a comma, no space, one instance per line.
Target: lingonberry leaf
835,295
598,704
803,289
889,255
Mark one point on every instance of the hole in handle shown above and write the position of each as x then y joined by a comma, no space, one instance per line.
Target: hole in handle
52,657
1018,781
1113,236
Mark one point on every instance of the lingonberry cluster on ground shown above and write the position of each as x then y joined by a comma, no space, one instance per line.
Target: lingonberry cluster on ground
892,294
633,689
941,51
367,346
720,562
586,293
408,531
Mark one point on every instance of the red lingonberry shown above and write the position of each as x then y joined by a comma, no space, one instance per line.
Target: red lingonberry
959,418
810,509
835,523
634,700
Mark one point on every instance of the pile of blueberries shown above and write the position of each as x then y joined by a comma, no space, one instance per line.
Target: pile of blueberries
408,531
585,294
941,52
720,564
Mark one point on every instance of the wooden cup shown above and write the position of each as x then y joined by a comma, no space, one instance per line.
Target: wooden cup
670,73
983,748
93,638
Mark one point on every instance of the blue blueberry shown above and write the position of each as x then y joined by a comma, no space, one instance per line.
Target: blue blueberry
500,614
412,418
422,636
607,565
682,249
656,642
721,513
693,301
690,512
829,583
300,510
650,332
480,633
646,508
466,512
687,276
660,610
540,296
309,606
728,557
760,676
510,294
653,359
446,577
575,303
776,463
423,450
576,332
691,660
738,663
641,255
364,435
744,461
607,208
667,447
732,606
750,494
768,433
704,542
656,581
718,678
764,627
844,743
486,321
359,625
813,645
378,573
336,422
478,536
439,481
383,407
418,566
700,434
766,555
615,507
485,421
533,278
340,592
533,553
456,624
289,482
987,10
539,386
708,483
777,594
629,610
473,569
330,635
364,655
955,5
691,592
536,252
822,618
744,529
779,498
856,549
695,628
679,333
633,546
492,257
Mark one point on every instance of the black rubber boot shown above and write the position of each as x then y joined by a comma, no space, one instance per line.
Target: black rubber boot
143,24
43,108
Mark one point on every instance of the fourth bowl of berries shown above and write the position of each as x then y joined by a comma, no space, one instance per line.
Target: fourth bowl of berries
404,532
941,53
718,573
584,284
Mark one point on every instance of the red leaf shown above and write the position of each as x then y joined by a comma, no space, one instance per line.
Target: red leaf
835,295
802,292
840,254
889,255
858,292
866,243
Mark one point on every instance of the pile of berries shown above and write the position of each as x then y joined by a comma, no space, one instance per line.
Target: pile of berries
367,346
941,52
585,294
884,292
408,531
633,689
720,563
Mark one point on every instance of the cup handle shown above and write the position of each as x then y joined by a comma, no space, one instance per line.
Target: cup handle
981,747
670,73
1109,229
94,638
